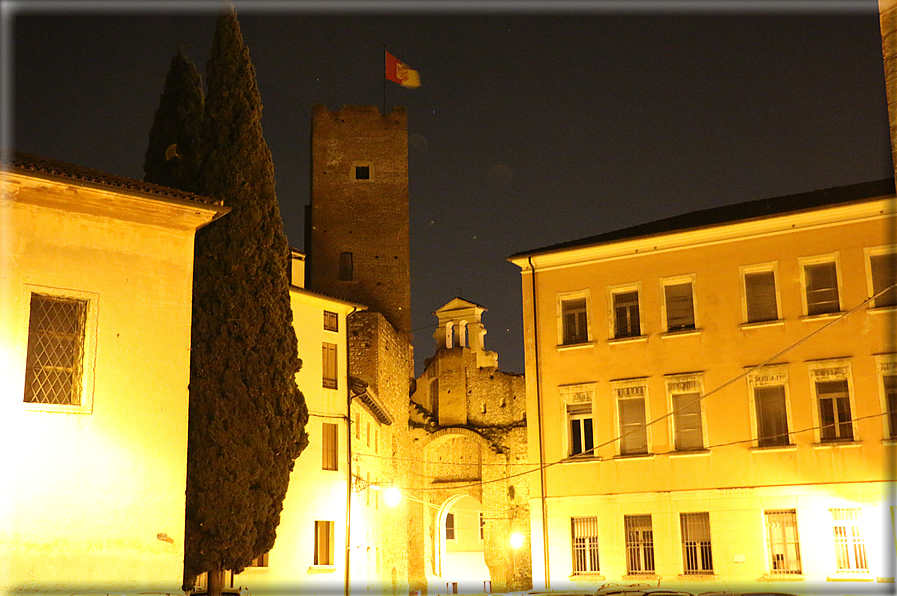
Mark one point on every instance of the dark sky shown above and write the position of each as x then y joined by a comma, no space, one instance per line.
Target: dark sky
536,123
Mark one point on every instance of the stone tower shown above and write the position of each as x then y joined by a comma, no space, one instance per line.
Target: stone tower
357,235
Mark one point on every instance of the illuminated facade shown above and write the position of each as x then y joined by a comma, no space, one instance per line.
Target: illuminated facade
713,398
95,304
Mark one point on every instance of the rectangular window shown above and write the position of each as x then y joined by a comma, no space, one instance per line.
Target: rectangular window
346,267
889,382
482,525
821,285
259,561
331,321
687,421
782,542
449,526
55,359
697,555
772,417
329,442
680,307
834,410
883,268
580,428
632,415
574,320
329,366
324,543
760,296
850,546
584,536
362,172
639,544
626,314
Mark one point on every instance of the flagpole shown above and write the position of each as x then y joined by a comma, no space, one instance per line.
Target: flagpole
383,74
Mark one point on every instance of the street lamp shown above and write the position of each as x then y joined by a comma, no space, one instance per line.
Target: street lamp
517,540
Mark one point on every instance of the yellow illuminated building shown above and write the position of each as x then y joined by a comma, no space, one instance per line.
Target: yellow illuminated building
95,301
713,398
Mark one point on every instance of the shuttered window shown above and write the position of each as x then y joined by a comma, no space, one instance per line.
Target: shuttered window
822,288
834,411
324,543
772,417
760,296
329,446
584,538
631,412
680,306
884,275
687,421
329,366
331,321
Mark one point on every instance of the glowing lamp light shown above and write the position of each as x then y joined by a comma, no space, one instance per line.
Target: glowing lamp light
517,540
392,496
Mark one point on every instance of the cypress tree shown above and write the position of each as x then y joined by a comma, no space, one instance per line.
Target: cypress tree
247,417
174,136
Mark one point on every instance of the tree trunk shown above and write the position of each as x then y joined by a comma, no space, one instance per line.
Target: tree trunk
216,581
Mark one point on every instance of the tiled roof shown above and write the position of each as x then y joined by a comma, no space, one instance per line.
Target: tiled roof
50,167
759,209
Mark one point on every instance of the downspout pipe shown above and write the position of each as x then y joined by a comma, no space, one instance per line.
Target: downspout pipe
542,480
348,458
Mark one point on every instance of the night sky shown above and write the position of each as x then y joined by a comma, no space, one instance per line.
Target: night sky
535,123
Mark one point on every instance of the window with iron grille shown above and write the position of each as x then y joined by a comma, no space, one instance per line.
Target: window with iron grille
772,416
697,555
680,306
626,314
782,542
55,359
639,544
821,286
324,543
584,536
834,411
883,268
329,366
331,321
760,296
329,443
574,319
850,546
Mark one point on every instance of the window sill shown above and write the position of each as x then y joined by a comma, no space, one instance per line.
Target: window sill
682,333
882,309
566,347
623,456
791,447
832,444
701,577
627,340
891,441
321,569
579,458
783,577
634,577
56,408
585,576
850,577
822,317
759,324
691,453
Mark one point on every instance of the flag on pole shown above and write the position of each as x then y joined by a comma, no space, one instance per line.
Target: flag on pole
399,72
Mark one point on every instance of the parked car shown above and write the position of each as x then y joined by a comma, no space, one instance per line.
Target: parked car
640,590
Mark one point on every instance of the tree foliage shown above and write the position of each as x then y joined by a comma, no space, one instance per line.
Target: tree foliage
170,158
247,417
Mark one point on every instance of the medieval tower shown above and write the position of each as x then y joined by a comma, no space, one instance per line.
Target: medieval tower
357,235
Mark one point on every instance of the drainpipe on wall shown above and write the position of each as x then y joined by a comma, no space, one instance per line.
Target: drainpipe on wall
348,457
542,479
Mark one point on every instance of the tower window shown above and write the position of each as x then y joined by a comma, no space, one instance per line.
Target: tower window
346,267
362,172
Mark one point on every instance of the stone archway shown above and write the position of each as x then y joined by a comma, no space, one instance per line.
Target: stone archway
460,556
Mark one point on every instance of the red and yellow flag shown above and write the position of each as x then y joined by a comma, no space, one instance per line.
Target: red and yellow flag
398,72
